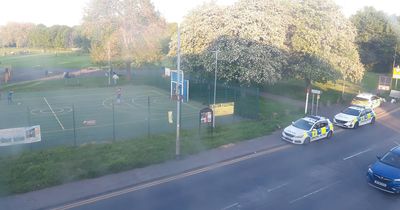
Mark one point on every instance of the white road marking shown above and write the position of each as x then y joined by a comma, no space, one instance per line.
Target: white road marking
230,206
314,192
277,187
58,120
172,178
359,153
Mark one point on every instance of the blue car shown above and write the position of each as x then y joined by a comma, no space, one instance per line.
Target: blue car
384,174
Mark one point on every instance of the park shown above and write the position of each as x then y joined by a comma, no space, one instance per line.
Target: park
105,104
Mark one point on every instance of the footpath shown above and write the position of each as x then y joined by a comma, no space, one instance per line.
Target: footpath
85,189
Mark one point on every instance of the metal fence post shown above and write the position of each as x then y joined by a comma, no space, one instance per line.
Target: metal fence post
113,120
258,102
29,115
29,124
148,116
74,124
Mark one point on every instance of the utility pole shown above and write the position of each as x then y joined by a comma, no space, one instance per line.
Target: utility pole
215,82
109,63
178,102
394,63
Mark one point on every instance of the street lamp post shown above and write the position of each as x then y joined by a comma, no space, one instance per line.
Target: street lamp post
178,101
215,82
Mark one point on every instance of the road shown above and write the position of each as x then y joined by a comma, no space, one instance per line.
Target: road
328,174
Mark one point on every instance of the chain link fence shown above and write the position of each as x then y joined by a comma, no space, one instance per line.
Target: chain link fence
99,118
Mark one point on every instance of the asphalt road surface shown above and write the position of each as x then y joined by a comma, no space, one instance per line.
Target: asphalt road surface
328,175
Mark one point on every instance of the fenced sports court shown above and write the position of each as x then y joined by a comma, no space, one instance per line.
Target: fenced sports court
76,115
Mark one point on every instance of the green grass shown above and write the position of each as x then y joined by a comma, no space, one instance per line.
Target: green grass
36,170
331,91
47,61
290,88
371,80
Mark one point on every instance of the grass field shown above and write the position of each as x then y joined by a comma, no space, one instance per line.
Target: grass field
47,61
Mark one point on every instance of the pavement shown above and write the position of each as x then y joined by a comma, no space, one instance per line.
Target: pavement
153,175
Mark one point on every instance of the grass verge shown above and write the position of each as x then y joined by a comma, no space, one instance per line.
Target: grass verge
332,91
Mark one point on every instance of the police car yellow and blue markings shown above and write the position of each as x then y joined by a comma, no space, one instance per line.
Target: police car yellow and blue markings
369,116
321,131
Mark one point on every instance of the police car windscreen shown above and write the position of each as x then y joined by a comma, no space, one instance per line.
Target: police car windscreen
360,99
303,124
391,159
351,111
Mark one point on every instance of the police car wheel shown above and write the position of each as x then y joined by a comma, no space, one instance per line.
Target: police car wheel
356,125
329,135
307,140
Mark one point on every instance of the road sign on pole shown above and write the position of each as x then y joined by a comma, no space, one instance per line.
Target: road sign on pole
318,94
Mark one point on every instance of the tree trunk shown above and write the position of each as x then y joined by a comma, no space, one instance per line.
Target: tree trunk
128,71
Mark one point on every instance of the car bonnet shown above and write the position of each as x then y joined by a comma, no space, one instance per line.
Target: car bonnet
386,170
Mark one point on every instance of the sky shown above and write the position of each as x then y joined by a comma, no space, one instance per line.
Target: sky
70,12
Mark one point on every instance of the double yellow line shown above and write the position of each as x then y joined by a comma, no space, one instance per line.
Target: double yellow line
172,178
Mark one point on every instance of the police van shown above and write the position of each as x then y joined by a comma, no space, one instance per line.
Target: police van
354,116
308,129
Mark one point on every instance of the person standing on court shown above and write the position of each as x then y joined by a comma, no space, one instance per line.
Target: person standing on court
115,78
119,95
9,97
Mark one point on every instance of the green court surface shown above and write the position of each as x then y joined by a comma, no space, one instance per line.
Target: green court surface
81,116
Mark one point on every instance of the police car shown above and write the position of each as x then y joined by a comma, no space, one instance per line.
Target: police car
308,129
368,100
354,116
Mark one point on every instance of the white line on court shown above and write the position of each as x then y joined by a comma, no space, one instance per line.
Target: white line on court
190,116
172,178
359,153
277,187
314,192
58,120
230,206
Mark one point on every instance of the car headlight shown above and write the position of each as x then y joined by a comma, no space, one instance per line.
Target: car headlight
371,172
349,123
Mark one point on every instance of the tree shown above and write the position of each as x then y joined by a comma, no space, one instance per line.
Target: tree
247,54
60,36
126,31
39,37
377,38
16,34
79,40
266,40
322,43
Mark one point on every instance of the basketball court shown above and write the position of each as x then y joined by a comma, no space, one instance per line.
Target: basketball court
93,115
